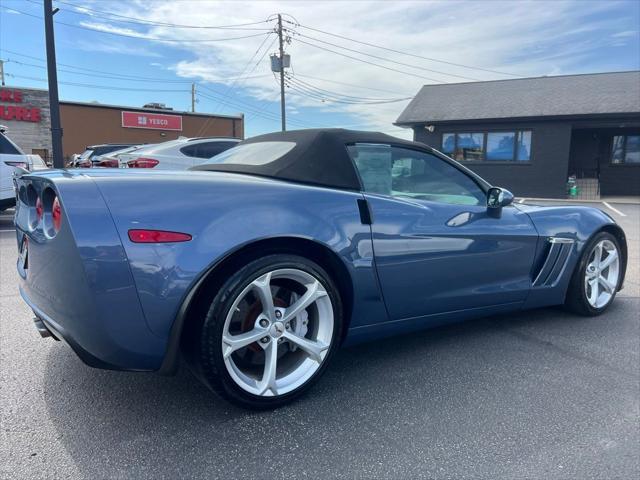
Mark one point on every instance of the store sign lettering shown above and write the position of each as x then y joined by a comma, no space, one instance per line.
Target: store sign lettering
17,112
153,121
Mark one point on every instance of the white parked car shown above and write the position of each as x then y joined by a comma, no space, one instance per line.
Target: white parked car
13,159
179,154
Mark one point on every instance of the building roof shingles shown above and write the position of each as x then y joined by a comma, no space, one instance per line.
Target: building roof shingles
589,94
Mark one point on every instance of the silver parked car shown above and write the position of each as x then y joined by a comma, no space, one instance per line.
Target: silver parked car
179,154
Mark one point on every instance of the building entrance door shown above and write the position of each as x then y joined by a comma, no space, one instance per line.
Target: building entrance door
584,162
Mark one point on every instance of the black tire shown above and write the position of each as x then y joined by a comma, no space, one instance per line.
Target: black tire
206,349
576,300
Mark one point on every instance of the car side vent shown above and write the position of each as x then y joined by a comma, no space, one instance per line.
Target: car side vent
555,261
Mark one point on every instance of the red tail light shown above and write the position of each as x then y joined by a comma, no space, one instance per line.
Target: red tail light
157,236
39,209
109,163
143,163
56,214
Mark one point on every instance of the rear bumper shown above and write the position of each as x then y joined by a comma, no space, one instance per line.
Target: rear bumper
59,333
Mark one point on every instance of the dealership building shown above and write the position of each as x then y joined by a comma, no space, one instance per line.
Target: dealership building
533,135
25,113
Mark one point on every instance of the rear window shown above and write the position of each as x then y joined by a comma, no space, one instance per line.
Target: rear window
260,153
37,160
206,149
8,147
84,155
107,149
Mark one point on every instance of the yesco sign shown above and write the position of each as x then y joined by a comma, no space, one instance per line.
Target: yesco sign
16,110
154,121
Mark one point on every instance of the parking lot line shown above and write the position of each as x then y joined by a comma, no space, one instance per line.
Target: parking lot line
614,209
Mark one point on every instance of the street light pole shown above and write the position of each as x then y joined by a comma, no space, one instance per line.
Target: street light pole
54,105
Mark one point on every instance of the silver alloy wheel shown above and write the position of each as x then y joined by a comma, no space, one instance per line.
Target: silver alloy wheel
601,274
293,339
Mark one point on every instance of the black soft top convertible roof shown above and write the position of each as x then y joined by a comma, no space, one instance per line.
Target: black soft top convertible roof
319,157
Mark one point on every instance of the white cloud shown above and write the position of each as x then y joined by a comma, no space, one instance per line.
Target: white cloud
626,33
523,37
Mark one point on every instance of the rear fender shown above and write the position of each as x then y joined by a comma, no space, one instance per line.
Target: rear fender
223,213
80,280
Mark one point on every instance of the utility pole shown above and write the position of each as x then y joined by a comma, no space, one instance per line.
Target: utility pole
193,97
2,72
282,104
52,73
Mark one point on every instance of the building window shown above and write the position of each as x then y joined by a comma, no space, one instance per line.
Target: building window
625,149
491,146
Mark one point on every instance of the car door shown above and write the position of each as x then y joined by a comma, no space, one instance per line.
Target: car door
437,249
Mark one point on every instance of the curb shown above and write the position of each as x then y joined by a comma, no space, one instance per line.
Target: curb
574,200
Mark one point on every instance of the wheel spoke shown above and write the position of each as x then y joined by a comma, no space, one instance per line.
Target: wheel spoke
608,286
270,363
313,348
613,256
262,287
314,292
597,258
236,342
595,291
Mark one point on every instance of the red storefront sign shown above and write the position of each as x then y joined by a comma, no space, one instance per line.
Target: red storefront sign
17,112
153,121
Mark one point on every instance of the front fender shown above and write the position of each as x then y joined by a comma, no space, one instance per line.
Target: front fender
577,223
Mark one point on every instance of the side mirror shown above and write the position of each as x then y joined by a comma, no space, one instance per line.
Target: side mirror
498,198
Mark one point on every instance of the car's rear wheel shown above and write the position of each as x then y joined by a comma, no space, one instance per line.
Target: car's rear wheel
270,331
596,278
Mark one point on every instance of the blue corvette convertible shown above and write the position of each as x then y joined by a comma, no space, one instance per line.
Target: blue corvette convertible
260,264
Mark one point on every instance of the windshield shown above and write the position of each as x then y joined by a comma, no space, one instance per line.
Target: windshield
259,153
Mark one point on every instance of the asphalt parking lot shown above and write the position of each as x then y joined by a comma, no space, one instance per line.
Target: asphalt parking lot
540,394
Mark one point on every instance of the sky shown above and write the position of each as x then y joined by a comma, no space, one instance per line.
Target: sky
131,52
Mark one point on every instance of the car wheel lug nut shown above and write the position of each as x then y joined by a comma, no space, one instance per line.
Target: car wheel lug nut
264,322
265,340
278,314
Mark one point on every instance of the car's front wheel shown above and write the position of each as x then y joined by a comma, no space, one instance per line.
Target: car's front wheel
596,278
270,331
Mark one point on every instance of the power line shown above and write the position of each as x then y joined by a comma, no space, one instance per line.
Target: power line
370,63
114,76
265,104
347,84
230,88
297,24
140,36
386,59
142,21
293,78
255,111
111,75
324,98
86,85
